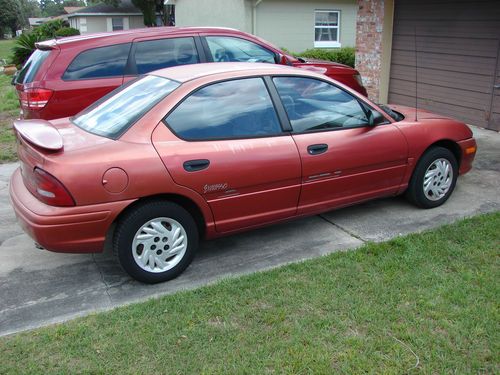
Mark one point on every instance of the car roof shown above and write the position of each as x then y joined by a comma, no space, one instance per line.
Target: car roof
129,35
184,73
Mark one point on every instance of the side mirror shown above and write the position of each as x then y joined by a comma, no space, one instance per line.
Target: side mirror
281,59
375,117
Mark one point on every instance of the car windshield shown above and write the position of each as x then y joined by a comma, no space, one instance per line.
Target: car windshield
112,115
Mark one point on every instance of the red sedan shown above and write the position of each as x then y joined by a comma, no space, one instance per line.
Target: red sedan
213,149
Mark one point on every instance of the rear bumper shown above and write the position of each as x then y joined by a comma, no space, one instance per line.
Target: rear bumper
466,147
80,229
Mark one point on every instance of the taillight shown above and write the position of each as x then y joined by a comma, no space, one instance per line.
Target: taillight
49,190
35,99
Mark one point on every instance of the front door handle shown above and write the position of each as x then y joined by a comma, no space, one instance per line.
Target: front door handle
317,149
196,165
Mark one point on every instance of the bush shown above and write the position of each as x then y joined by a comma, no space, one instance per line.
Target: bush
25,44
24,47
344,55
67,31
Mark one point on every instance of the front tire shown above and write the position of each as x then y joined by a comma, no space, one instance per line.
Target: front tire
433,179
156,241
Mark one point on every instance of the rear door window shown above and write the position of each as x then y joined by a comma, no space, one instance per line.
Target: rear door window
101,62
232,109
164,53
31,67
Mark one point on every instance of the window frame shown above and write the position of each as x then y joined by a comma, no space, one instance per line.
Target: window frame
122,25
282,119
360,101
125,68
330,43
208,52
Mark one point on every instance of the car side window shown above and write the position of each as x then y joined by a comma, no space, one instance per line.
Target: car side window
101,62
312,105
164,53
224,48
226,110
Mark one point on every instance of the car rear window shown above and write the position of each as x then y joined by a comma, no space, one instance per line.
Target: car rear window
101,62
31,67
113,114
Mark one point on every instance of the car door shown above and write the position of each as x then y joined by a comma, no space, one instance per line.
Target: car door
344,158
231,149
153,53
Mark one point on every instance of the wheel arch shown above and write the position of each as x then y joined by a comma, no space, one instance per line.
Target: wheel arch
448,144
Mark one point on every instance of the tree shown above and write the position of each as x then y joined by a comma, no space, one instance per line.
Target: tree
28,9
9,16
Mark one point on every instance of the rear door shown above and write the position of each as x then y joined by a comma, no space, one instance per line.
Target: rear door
231,149
150,54
344,160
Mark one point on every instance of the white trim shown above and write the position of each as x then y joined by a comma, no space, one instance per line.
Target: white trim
109,24
102,14
126,24
327,43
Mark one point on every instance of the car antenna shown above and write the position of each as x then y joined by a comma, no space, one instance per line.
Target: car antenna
416,73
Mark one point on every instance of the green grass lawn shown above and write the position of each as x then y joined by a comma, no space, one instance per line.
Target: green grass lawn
429,301
6,48
9,110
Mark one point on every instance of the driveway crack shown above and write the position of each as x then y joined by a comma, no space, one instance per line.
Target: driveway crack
102,278
350,233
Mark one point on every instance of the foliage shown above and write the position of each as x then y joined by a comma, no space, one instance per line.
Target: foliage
425,303
9,16
344,55
67,31
147,8
24,46
9,110
48,29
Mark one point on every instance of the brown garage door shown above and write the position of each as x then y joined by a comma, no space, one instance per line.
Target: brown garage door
457,44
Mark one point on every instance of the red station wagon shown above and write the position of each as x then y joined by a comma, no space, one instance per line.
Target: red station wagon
213,149
64,76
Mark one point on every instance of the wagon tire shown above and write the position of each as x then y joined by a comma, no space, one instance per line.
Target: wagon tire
155,241
433,179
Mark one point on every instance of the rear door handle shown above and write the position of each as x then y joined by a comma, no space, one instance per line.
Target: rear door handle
317,149
196,165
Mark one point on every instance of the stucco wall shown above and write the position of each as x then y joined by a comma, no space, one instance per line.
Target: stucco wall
136,22
290,23
223,13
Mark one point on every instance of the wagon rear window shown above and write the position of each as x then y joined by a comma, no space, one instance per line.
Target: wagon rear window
112,115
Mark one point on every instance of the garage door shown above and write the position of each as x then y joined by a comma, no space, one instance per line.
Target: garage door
452,49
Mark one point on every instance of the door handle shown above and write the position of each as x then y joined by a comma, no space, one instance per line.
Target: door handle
317,149
196,165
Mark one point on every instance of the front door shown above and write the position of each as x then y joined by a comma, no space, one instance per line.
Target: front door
344,159
230,148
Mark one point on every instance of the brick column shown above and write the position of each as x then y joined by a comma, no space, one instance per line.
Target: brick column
369,30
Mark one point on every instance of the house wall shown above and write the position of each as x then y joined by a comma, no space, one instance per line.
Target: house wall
96,24
136,22
290,23
222,13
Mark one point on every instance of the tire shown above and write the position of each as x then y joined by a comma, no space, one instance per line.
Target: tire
156,241
441,168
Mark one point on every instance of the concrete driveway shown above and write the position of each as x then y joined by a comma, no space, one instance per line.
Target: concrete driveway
38,287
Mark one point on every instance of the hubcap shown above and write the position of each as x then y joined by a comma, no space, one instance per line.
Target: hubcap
438,179
159,245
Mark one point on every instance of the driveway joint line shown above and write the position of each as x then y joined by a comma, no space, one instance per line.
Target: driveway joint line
352,234
106,289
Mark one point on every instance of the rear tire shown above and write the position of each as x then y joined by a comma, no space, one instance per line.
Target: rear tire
156,241
433,179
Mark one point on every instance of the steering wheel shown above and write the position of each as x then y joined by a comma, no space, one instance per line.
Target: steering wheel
221,55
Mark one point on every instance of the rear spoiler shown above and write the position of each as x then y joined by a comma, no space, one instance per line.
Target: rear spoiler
40,133
46,45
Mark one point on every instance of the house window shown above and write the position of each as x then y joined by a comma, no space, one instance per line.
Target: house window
117,23
326,28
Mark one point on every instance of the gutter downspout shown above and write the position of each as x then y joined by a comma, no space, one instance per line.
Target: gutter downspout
254,17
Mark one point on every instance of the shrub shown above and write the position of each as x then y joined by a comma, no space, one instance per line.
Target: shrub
67,31
344,55
48,30
23,47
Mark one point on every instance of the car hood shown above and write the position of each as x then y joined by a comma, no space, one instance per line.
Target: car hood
409,112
